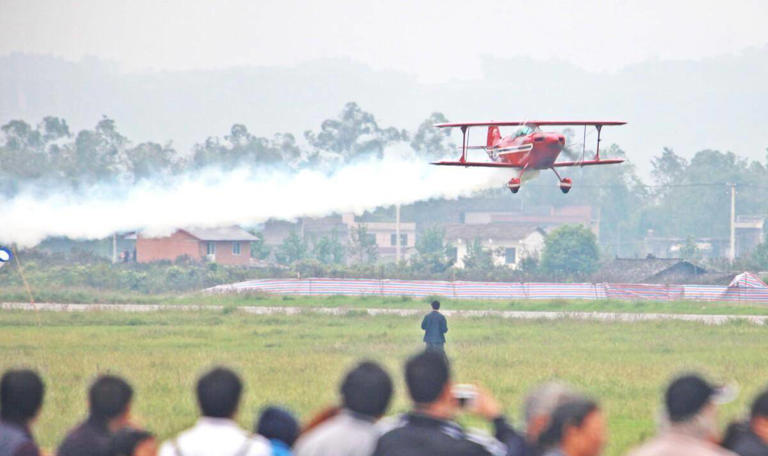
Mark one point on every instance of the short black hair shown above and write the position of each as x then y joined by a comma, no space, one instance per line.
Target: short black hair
21,395
109,397
686,395
277,423
125,441
760,406
367,389
426,374
436,304
569,414
218,393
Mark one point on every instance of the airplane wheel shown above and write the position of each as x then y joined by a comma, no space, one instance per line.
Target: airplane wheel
565,185
513,185
565,189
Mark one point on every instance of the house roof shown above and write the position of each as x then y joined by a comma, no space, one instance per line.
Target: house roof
495,231
634,270
229,233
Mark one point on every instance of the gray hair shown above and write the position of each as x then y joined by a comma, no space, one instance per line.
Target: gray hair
545,398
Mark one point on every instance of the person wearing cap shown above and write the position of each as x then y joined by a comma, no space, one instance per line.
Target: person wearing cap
750,438
689,423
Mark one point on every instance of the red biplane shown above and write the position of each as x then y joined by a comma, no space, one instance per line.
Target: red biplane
528,149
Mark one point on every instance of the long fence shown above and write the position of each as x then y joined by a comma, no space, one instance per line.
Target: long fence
497,290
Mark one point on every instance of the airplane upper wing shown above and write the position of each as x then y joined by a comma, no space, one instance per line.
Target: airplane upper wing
606,161
530,122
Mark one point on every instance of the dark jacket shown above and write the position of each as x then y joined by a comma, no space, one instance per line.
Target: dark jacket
91,438
415,434
435,327
16,440
741,440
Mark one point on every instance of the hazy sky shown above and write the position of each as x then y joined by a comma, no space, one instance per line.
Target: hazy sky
434,39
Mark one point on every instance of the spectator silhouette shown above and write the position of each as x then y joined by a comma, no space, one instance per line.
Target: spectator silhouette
750,438
280,427
430,427
21,398
435,327
133,442
538,407
109,401
365,393
575,428
689,422
216,432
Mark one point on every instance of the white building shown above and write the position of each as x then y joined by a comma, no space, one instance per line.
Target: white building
510,244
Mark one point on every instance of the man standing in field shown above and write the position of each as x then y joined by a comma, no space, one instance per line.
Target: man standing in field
435,327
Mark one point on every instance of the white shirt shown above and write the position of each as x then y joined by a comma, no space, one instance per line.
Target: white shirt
215,436
342,435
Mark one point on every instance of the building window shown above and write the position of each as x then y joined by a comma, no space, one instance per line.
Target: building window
393,239
211,248
235,248
510,255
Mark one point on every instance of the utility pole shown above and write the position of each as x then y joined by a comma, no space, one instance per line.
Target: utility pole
732,253
397,232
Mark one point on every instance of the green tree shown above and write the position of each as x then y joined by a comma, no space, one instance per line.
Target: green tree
478,258
292,249
353,134
259,250
329,249
431,142
570,253
363,245
690,251
432,253
241,148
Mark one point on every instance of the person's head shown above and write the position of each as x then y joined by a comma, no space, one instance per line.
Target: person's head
367,390
577,427
132,442
758,417
218,393
690,406
21,396
276,423
109,399
435,305
541,402
428,377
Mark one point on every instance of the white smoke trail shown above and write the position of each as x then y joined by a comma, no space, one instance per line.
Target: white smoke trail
244,196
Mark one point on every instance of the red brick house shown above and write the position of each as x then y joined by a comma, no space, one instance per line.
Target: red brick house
230,245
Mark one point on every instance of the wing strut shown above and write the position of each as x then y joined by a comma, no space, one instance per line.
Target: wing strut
463,158
597,151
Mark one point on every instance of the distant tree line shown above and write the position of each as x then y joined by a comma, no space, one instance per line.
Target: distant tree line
685,198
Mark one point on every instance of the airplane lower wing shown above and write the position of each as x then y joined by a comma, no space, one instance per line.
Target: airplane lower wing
476,164
607,161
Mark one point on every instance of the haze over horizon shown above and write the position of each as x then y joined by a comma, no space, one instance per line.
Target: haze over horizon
186,70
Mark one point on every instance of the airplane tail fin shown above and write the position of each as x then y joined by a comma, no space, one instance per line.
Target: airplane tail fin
494,136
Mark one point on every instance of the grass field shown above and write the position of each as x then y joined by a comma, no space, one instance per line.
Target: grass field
297,360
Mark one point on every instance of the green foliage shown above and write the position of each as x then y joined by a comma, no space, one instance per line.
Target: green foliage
355,133
477,257
433,254
363,247
293,249
570,253
430,142
329,249
690,251
258,249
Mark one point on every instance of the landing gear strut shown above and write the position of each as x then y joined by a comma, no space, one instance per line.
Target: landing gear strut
565,183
